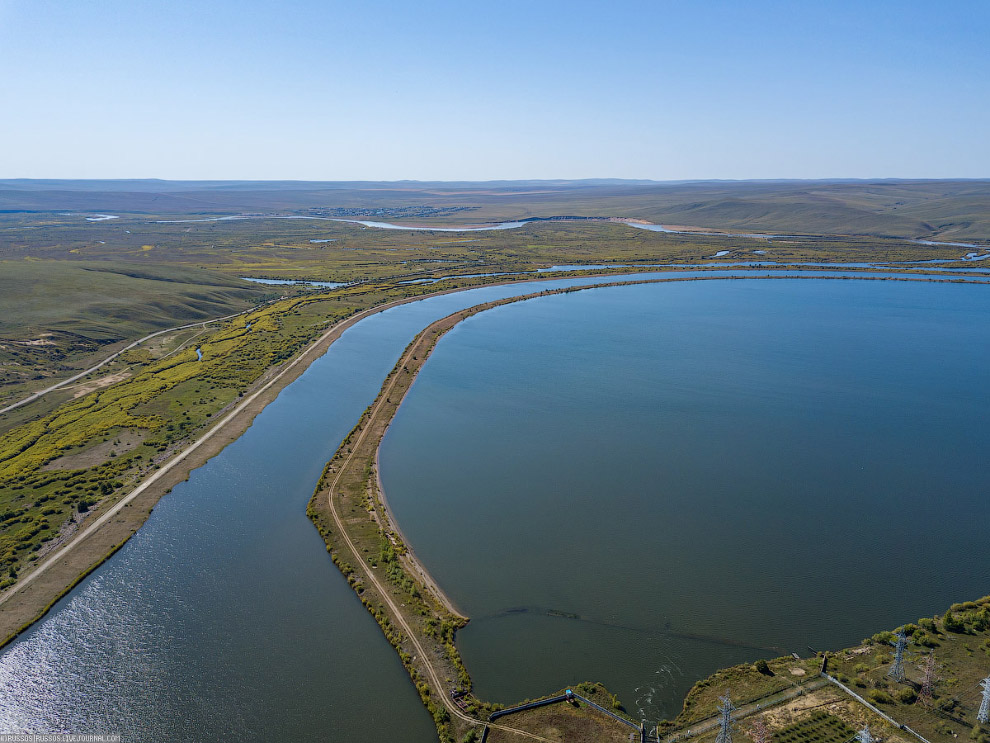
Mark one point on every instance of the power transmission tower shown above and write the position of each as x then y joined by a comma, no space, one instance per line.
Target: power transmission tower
863,736
926,694
725,709
760,732
896,671
984,714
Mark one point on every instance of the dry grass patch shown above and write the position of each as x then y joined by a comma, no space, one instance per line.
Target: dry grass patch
570,722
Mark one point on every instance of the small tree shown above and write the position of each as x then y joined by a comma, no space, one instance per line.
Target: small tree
952,623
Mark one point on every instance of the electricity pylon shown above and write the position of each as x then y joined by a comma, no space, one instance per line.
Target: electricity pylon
725,709
984,714
896,670
926,694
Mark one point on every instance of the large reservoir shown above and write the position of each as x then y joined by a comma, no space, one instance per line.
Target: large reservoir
642,484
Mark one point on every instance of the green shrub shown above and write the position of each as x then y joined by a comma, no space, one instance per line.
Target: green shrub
952,623
877,696
907,695
948,705
762,667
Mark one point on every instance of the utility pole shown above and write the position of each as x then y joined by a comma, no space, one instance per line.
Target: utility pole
896,671
725,708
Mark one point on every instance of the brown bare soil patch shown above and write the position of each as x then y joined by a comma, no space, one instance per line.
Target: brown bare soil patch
84,388
44,340
98,453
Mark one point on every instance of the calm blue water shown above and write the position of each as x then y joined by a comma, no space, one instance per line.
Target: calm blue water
775,464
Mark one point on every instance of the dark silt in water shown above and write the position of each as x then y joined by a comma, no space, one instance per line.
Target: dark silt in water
640,485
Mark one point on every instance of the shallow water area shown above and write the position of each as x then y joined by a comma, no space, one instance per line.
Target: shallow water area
470,228
295,282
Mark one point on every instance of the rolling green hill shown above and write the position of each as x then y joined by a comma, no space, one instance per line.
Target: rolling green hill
106,302
59,316
947,209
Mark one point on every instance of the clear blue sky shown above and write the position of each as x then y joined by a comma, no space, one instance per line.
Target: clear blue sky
473,89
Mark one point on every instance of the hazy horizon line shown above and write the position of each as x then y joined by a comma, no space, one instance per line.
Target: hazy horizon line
589,179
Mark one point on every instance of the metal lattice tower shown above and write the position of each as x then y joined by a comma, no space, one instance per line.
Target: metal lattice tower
926,693
984,714
863,736
760,732
896,671
725,709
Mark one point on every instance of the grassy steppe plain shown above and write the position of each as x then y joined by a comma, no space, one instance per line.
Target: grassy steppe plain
57,316
283,248
941,209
